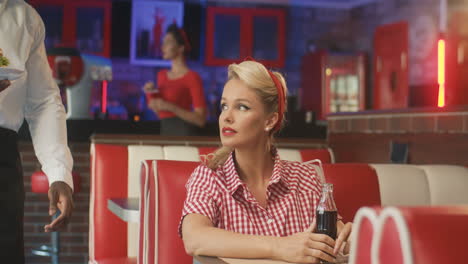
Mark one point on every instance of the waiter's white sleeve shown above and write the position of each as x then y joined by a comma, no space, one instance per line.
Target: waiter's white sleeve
45,113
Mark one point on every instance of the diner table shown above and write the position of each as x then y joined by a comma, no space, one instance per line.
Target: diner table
217,260
126,209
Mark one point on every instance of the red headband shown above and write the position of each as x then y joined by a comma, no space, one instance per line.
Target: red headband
281,99
281,95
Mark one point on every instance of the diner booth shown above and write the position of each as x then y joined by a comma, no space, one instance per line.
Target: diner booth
377,104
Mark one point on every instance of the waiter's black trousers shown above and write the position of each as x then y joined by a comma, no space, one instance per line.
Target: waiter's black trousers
11,199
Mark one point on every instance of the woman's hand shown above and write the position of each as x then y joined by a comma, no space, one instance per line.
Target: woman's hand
159,104
305,247
344,233
149,87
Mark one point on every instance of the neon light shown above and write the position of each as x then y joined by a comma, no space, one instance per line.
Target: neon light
104,97
441,72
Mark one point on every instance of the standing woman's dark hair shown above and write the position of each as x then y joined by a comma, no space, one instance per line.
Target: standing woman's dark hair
180,37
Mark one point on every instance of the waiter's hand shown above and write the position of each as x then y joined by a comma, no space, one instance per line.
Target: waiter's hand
4,84
60,197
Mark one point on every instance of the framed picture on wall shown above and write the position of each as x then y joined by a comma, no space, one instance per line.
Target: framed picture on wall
150,20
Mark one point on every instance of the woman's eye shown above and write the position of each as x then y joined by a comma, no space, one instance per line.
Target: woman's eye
243,107
223,107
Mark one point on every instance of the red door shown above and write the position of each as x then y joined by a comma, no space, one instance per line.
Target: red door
391,66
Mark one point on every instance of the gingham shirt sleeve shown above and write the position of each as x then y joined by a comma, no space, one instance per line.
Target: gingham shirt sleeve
201,192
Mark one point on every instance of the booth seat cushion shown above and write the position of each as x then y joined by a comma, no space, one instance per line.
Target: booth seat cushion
448,184
115,172
421,235
324,155
355,185
402,185
109,166
173,175
183,153
137,154
148,208
364,226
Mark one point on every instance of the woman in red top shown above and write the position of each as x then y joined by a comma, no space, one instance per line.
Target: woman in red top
178,97
246,202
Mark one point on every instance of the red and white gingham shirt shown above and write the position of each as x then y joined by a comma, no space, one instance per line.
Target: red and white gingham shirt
293,194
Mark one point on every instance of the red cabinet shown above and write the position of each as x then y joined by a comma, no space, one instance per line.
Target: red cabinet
83,24
391,66
232,34
332,83
457,59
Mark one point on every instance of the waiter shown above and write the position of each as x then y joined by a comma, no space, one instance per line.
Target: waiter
34,97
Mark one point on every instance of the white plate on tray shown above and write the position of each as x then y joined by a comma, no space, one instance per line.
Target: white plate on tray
10,73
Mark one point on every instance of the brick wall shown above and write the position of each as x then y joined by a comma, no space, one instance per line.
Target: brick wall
74,241
437,137
394,123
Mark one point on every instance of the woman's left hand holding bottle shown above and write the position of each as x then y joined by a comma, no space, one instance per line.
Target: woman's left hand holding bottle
344,234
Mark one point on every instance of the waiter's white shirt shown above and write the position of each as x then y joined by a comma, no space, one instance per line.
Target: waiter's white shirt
35,96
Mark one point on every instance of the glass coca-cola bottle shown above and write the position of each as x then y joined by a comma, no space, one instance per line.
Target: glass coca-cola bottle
327,212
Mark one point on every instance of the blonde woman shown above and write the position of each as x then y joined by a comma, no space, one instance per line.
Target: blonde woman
246,202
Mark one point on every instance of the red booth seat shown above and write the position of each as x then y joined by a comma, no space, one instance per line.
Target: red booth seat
422,235
163,186
410,235
356,186
115,173
364,226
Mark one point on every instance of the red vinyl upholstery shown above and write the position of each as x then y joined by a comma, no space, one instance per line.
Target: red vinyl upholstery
108,234
148,224
364,242
393,251
325,155
172,177
203,151
40,182
422,235
355,186
206,150
364,226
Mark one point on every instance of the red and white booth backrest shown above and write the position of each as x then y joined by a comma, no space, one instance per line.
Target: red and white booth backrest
356,186
160,211
115,173
410,235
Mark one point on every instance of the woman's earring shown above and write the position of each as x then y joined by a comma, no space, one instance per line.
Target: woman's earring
267,129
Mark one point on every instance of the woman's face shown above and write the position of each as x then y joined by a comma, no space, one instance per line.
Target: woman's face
170,48
243,118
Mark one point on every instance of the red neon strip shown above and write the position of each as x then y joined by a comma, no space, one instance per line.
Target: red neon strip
441,72
104,97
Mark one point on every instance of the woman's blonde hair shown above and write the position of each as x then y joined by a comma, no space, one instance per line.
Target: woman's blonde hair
257,78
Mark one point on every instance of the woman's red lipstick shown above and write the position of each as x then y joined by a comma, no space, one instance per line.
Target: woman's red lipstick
227,131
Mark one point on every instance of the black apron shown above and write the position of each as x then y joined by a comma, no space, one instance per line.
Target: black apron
11,199
174,126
